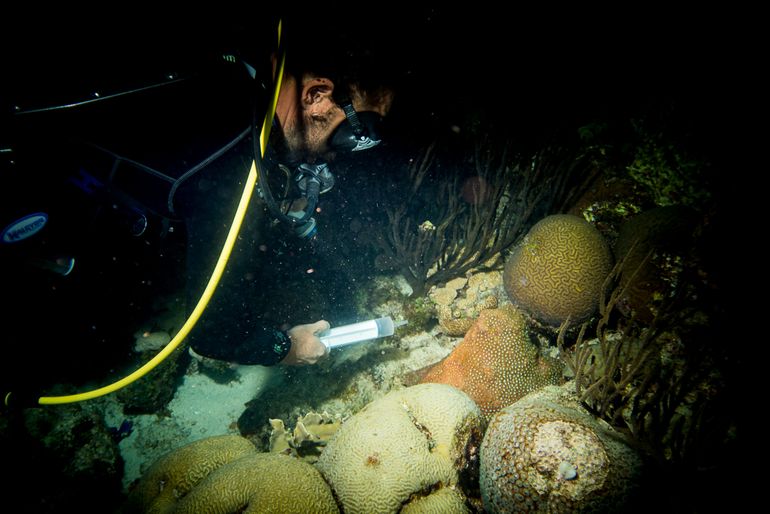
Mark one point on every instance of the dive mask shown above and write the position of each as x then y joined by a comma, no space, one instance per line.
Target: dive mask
357,132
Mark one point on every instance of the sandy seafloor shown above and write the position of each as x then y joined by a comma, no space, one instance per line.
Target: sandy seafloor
200,408
203,407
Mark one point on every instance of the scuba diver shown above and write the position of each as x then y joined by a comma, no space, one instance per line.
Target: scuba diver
324,108
177,152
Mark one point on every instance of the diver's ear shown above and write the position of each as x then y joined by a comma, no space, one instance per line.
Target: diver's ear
316,90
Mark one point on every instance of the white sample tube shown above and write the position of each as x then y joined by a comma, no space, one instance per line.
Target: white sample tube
357,332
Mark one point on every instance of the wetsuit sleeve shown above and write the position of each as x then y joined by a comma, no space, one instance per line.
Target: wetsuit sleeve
231,327
265,346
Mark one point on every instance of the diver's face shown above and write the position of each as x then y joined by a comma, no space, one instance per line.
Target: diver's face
309,115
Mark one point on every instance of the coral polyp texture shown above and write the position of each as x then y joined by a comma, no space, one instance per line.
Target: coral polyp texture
558,270
261,483
224,474
176,473
546,453
496,363
403,449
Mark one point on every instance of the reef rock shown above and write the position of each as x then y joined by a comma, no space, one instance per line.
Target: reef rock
558,270
404,448
60,455
460,301
496,363
546,453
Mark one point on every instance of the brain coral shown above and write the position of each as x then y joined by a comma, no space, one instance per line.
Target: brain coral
261,483
176,473
496,364
223,474
558,269
545,453
447,500
408,445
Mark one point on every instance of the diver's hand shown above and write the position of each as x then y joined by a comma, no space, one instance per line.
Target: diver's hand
306,348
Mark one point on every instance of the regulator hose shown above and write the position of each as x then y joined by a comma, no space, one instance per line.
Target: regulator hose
216,275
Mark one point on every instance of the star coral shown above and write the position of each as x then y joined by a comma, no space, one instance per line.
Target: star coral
546,453
496,363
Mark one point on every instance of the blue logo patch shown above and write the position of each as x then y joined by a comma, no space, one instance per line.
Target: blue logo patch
25,227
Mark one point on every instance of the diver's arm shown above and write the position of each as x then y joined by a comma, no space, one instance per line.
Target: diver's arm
231,327
264,346
298,346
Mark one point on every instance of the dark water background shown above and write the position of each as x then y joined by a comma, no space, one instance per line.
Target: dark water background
521,76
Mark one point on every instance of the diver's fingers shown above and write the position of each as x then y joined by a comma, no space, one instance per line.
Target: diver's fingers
320,326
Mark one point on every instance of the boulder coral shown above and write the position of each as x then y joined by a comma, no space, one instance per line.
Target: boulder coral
546,453
404,448
558,270
496,363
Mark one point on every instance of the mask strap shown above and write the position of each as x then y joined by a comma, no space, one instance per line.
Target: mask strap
352,116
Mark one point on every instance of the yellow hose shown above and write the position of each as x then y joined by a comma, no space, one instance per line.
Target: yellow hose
224,255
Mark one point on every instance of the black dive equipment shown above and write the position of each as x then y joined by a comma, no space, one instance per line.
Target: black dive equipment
356,133
123,175
118,169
